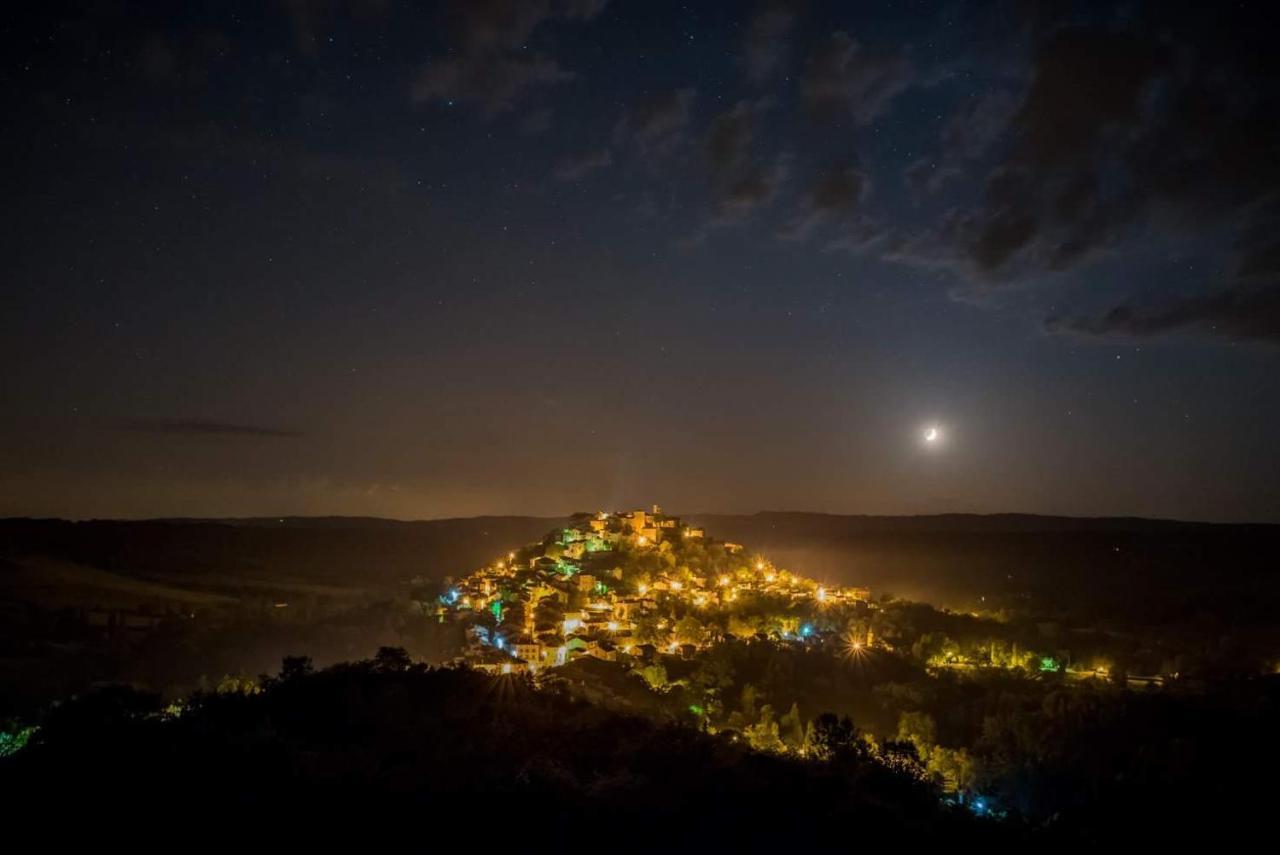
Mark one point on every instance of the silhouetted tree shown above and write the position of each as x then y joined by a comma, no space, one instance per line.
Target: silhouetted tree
391,659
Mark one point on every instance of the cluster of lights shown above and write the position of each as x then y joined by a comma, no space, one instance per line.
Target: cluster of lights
723,588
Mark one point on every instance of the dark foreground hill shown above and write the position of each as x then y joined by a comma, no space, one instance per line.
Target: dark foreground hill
462,751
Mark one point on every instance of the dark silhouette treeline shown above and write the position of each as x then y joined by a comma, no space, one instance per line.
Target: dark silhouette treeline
456,749
463,748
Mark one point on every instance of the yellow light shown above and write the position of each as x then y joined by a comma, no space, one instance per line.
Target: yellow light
506,668
759,565
511,556
857,645
822,595
770,577
642,588
724,581
613,626
675,586
642,540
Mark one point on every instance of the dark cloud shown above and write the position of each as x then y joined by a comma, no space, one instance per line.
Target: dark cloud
976,125
741,182
1085,82
581,165
765,47
202,427
1248,307
656,124
1235,313
834,196
1154,128
1045,205
1122,129
752,188
842,76
729,140
490,65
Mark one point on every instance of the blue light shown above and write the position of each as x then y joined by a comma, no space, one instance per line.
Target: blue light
500,642
806,630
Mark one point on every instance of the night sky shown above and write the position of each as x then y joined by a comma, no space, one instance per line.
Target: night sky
421,260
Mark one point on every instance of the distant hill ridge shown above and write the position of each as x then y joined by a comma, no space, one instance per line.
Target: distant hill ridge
940,558
1003,522
951,522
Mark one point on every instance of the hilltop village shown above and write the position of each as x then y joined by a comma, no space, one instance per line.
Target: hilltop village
612,585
